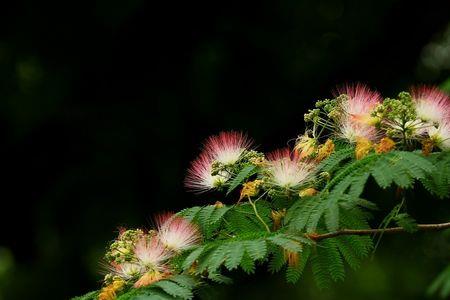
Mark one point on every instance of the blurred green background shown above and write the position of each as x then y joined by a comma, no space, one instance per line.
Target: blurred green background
104,103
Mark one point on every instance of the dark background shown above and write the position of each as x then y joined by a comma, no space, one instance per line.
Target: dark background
104,103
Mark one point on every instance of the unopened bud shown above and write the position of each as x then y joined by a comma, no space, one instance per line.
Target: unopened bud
308,192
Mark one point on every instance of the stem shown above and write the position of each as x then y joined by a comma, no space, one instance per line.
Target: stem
420,227
257,214
387,220
404,136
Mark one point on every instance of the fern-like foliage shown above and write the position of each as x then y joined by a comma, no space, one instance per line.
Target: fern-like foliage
438,182
401,168
297,210
338,206
179,287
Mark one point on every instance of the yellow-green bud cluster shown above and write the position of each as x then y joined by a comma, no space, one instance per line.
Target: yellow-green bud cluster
312,115
122,249
397,116
400,109
252,155
332,108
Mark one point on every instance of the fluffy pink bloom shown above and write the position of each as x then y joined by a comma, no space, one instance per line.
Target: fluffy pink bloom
286,170
176,233
127,270
441,135
350,130
432,105
227,147
151,253
355,120
361,101
199,178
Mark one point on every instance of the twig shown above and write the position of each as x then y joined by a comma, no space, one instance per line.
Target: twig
257,214
420,227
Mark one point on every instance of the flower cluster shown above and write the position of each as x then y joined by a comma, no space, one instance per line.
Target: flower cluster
140,258
423,116
220,156
356,120
286,169
227,153
358,115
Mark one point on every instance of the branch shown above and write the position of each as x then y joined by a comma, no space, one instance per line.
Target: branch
420,227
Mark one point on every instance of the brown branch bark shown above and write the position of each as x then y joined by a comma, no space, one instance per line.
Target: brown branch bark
420,227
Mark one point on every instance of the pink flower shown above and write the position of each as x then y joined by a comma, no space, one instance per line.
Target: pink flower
286,170
176,233
351,130
432,105
355,120
361,102
441,135
151,253
199,178
227,147
127,270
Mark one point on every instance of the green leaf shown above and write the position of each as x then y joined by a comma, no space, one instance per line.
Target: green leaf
335,159
184,280
219,278
335,264
218,214
256,249
149,294
217,257
407,222
235,252
293,273
205,214
174,289
286,242
348,252
381,173
190,213
320,270
315,216
437,182
332,216
192,257
358,184
277,260
247,264
244,174
146,293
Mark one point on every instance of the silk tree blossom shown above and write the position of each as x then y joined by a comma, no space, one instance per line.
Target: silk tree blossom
151,253
127,270
199,178
411,129
227,147
440,135
351,130
360,103
176,233
432,105
355,119
286,170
